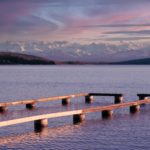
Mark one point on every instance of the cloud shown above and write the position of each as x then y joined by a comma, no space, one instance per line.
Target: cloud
68,19
116,25
136,38
130,32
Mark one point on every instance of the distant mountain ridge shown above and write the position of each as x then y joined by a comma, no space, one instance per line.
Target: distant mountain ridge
79,52
145,61
17,58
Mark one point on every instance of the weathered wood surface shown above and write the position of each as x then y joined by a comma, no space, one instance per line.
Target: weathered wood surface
143,95
105,94
39,117
31,101
115,106
73,112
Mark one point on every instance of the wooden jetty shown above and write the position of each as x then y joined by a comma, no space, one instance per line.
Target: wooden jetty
118,98
30,104
41,121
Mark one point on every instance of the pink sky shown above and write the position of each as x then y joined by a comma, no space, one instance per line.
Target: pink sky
58,20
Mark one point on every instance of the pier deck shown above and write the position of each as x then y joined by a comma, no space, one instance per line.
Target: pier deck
78,115
65,100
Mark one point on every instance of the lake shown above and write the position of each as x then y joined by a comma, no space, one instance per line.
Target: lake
123,131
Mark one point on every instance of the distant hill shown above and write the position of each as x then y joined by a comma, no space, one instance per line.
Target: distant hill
17,58
144,61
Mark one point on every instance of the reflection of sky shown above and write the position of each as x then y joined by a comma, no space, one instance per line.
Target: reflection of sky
74,20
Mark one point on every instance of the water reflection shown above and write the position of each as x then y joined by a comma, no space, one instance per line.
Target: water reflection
49,133
120,122
61,130
123,131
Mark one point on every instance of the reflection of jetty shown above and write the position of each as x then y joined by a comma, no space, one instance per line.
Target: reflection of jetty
79,115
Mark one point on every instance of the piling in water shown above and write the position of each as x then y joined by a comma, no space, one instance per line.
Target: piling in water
107,114
118,99
3,109
89,99
30,106
77,118
39,124
134,108
65,101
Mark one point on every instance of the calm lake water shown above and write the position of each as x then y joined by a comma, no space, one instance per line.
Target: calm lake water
122,132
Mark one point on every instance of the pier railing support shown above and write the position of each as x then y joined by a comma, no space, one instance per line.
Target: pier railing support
143,97
30,106
39,124
118,99
89,99
134,108
3,109
78,115
66,101
77,118
107,114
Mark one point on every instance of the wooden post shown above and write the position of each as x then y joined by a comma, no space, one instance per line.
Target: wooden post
3,109
118,99
134,108
30,106
77,118
65,101
89,99
107,114
141,97
39,124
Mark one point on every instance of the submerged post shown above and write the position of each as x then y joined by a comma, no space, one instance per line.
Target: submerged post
118,99
134,108
39,124
89,99
30,106
65,101
143,96
77,118
3,109
107,114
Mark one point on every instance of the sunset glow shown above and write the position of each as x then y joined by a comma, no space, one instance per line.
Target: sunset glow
69,20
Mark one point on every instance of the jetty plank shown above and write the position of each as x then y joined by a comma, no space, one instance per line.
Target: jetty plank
115,106
142,94
31,101
105,94
73,112
39,117
118,97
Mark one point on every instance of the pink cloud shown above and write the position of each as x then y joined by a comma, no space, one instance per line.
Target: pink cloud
11,11
65,20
